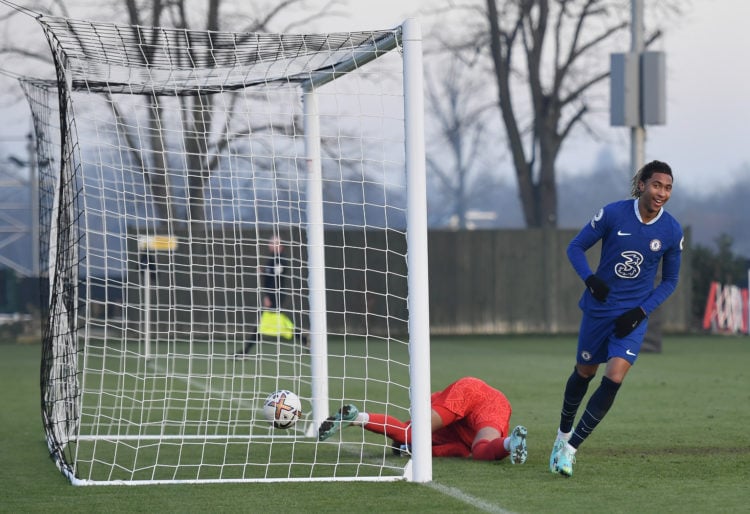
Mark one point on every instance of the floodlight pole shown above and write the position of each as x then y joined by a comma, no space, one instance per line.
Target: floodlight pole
637,132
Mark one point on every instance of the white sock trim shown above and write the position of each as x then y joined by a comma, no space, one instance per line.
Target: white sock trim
362,419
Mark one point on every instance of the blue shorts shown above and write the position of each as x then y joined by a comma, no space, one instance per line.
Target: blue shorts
597,342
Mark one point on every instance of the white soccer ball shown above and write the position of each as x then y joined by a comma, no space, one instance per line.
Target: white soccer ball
283,408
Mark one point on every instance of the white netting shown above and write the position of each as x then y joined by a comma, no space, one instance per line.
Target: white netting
183,157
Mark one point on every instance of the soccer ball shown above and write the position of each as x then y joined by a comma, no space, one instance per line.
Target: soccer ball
283,408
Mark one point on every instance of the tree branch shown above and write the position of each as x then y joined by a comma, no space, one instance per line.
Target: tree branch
572,121
501,56
582,88
441,174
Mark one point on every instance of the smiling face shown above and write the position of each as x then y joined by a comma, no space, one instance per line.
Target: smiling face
655,192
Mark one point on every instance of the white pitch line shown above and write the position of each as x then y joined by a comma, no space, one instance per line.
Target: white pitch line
458,494
453,492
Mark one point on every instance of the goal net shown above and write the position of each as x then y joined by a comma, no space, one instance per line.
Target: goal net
225,215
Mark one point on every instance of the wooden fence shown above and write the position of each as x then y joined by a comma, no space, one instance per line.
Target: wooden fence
481,282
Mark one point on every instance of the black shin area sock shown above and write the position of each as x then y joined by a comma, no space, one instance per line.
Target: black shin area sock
596,409
575,390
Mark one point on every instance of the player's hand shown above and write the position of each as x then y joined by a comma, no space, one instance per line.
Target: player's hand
598,288
627,321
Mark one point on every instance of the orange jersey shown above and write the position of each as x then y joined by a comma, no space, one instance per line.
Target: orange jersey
476,405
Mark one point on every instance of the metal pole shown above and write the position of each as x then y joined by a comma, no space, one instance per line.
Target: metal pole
147,310
316,262
637,133
419,319
34,182
652,339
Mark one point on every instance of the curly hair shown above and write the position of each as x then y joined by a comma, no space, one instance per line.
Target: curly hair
646,172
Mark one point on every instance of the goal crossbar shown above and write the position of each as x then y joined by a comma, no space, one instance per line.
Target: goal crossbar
233,61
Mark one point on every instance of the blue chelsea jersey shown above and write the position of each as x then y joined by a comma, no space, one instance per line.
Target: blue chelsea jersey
630,256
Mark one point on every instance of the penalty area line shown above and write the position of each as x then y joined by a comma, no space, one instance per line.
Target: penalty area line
458,494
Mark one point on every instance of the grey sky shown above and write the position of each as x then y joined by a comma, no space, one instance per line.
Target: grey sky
708,104
708,107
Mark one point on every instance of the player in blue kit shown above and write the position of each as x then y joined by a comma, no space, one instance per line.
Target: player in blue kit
636,236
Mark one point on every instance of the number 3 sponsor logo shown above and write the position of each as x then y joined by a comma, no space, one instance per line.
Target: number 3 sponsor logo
631,267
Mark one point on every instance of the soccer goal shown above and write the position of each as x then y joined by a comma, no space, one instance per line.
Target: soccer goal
170,163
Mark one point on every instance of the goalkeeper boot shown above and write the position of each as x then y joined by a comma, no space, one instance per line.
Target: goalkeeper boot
517,445
335,422
566,457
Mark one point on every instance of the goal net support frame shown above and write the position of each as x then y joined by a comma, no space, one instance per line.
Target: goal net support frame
69,346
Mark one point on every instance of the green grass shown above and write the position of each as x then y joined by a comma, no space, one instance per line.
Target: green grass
676,440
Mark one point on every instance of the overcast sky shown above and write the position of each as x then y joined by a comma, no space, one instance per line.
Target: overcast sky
708,109
707,135
708,95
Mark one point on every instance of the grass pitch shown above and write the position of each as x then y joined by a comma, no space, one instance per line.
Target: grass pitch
676,440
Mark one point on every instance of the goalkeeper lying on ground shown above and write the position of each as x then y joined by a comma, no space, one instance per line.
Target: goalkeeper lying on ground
469,418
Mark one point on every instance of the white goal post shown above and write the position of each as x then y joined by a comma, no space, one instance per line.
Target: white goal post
172,163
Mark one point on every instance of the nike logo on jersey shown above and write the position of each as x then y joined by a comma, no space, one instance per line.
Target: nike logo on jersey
628,352
621,233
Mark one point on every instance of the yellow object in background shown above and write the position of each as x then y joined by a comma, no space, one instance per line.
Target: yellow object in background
274,323
157,243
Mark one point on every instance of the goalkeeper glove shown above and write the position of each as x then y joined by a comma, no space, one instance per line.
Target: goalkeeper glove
627,321
598,288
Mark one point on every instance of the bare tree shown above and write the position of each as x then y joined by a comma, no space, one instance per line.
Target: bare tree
198,126
547,59
557,103
456,150
204,135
